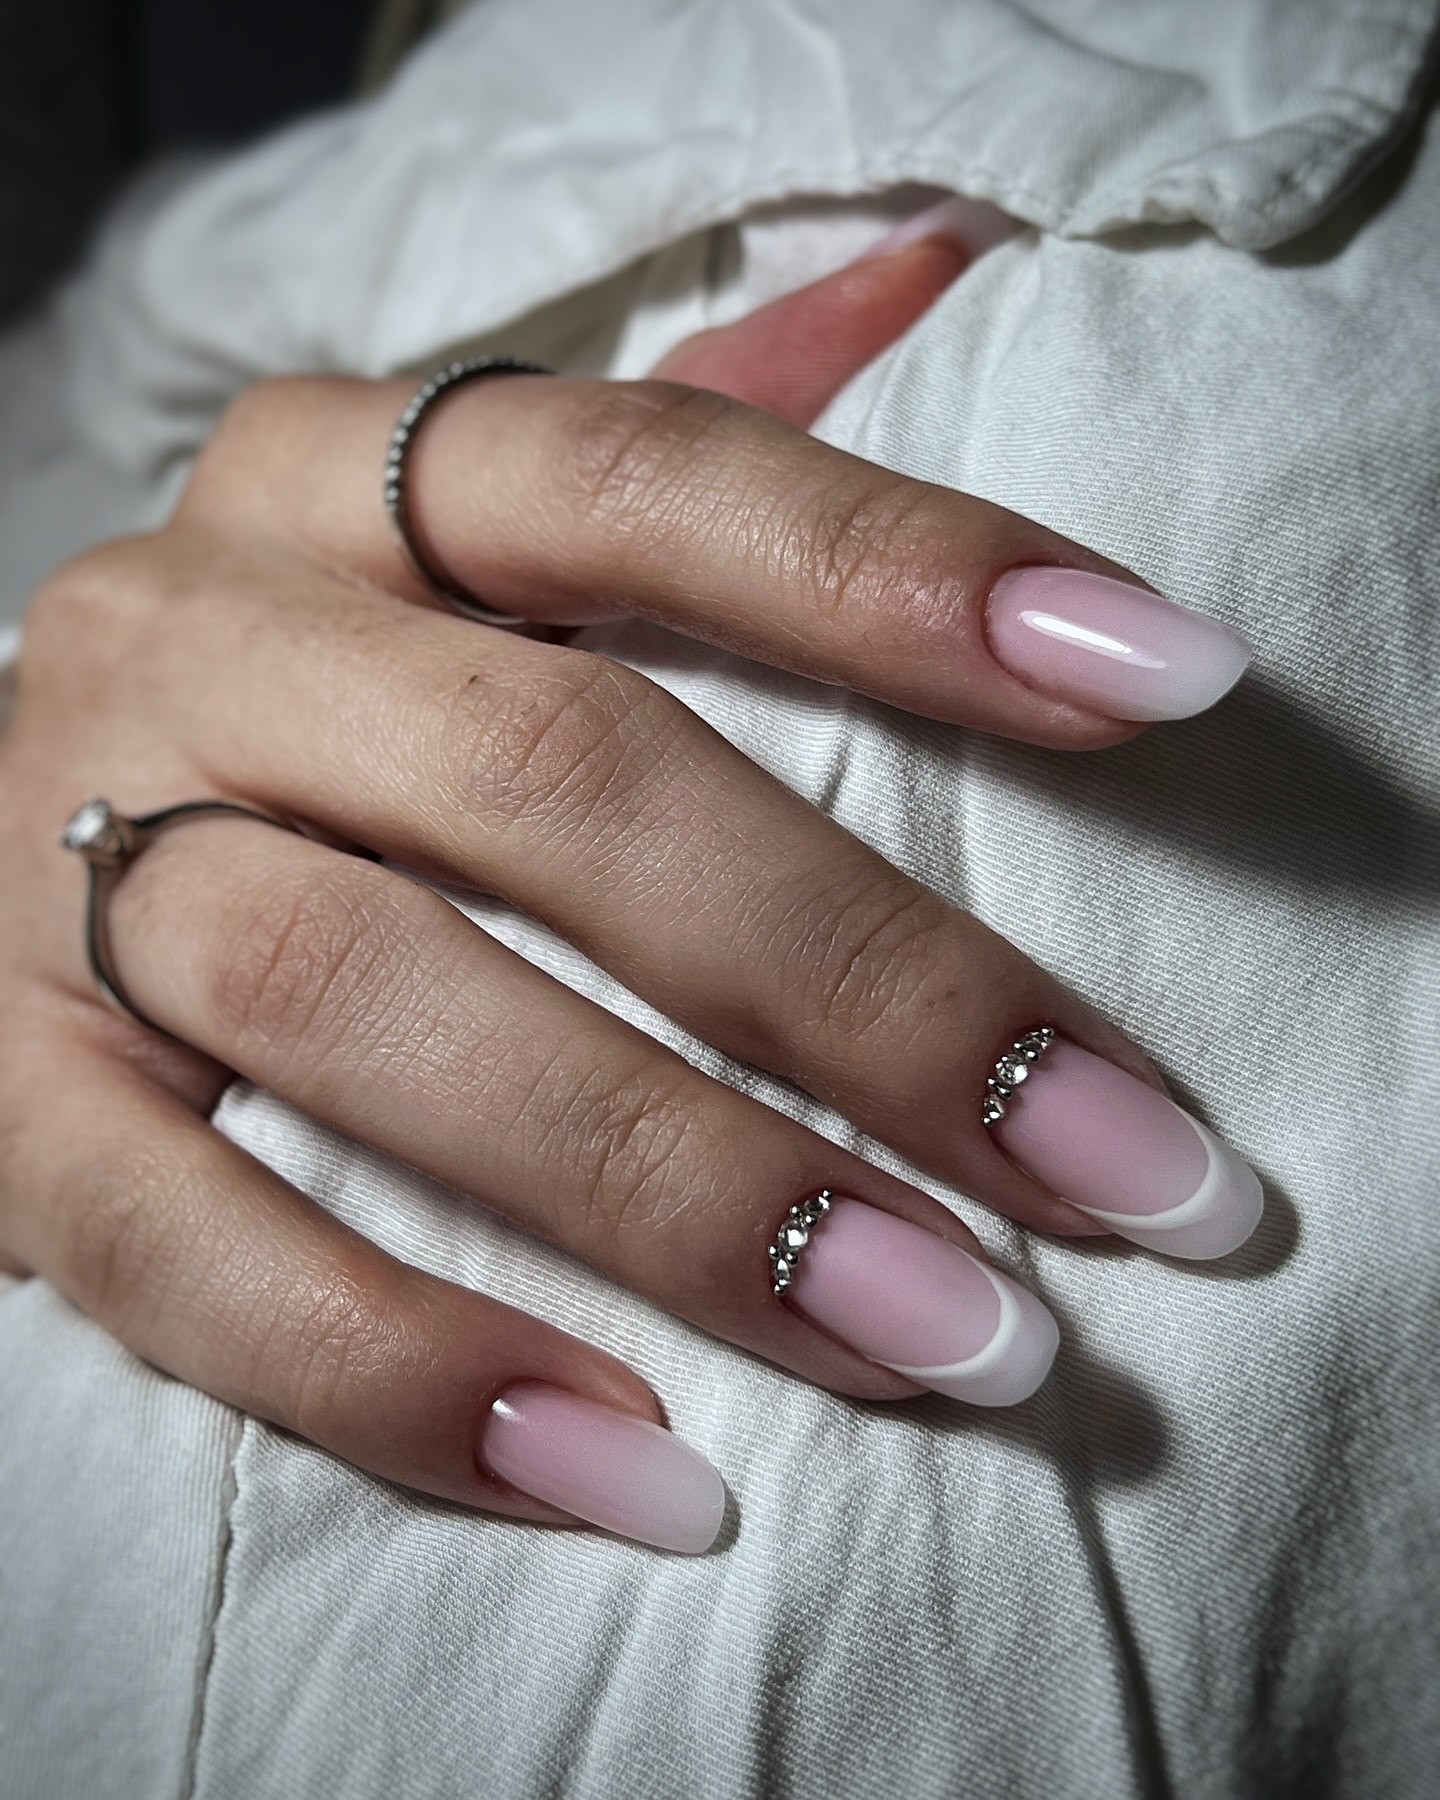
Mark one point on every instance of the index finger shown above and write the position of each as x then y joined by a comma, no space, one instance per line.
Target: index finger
569,500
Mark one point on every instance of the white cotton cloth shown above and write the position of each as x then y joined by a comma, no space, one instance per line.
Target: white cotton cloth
1204,1561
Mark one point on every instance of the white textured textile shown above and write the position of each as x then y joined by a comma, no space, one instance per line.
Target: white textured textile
1204,1560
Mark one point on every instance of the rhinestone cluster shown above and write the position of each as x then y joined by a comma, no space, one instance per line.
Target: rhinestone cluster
1013,1068
794,1235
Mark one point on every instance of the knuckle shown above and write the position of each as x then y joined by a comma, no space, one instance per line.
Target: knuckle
341,1344
103,595
236,464
627,1136
863,549
627,452
117,1252
299,962
567,743
880,950
261,412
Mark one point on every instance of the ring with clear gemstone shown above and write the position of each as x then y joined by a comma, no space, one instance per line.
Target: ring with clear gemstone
108,840
793,1235
1012,1069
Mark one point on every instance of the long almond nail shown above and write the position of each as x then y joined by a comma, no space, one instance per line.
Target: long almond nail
1107,645
606,1467
1128,1156
923,1307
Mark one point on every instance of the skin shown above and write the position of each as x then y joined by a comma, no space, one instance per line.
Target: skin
271,646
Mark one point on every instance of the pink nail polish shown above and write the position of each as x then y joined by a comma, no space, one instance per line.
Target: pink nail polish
973,224
1104,644
923,1307
1129,1157
623,1473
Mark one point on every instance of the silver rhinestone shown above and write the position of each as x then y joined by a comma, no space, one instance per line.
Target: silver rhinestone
1012,1070
997,1086
781,1273
992,1109
795,1237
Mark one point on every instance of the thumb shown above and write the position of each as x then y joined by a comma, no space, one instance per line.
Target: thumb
793,356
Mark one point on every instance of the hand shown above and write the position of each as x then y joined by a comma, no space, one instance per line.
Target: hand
260,649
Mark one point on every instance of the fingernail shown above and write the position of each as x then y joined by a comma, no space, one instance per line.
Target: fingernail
973,224
1127,1156
606,1467
1109,646
923,1307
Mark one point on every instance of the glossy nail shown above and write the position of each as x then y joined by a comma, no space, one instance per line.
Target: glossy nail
606,1467
973,224
923,1307
1106,645
1129,1157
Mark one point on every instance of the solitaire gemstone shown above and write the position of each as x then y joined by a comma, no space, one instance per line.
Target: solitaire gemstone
90,825
796,1237
1012,1070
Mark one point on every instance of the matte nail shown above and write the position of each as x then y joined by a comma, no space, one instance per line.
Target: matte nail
1128,1156
606,1467
922,1307
1109,646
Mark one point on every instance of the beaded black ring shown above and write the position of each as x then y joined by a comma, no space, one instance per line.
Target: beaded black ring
397,462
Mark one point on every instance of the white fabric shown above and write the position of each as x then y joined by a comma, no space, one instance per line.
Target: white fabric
1203,1561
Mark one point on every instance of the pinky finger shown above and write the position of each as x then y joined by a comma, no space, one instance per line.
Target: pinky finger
207,1264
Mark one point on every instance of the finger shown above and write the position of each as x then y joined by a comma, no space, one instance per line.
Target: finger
721,521
793,356
570,500
374,1005
542,774
209,1266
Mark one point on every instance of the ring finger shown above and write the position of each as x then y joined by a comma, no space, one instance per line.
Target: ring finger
375,1006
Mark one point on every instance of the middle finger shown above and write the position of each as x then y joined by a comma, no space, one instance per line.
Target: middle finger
589,797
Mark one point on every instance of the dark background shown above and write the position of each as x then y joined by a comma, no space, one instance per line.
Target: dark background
89,89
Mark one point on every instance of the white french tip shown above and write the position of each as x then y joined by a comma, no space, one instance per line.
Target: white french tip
1217,1218
1012,1365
